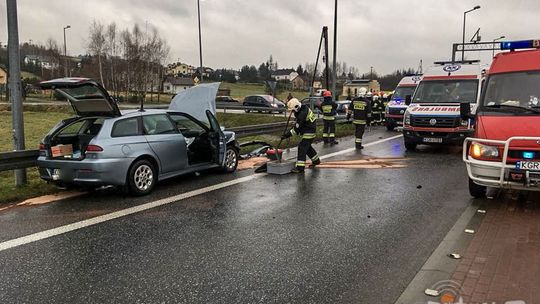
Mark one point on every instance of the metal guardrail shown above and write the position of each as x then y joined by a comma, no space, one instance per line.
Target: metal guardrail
18,159
28,158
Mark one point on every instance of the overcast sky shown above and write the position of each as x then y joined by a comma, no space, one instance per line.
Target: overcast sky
385,34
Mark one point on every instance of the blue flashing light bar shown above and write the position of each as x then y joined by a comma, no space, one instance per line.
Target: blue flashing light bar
528,155
520,44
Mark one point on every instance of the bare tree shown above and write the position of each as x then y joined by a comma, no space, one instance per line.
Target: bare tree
112,49
97,44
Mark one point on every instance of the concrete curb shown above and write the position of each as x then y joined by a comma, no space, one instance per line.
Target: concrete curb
439,267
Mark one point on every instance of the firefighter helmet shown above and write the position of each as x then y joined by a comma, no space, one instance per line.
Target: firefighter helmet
294,105
327,94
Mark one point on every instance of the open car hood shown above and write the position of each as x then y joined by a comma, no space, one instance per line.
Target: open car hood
86,96
196,101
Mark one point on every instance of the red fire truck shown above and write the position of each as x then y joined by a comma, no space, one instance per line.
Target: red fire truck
504,151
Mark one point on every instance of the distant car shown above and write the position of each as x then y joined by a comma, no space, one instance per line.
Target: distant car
264,101
314,101
102,146
343,106
225,99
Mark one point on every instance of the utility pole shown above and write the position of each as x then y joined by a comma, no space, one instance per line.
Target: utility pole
15,93
334,76
200,38
65,52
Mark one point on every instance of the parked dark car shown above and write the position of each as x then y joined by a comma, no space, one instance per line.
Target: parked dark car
264,101
316,101
228,99
343,106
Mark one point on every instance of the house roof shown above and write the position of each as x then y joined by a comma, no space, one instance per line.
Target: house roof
358,82
187,81
283,72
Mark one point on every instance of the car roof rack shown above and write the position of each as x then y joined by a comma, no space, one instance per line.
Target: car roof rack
457,62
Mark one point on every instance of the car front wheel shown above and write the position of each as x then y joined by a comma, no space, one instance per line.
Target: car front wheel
231,160
142,177
410,146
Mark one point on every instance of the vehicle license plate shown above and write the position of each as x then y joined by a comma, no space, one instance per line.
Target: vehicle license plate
432,140
528,165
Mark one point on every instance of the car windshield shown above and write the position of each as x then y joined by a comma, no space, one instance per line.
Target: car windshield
446,91
272,99
519,89
402,92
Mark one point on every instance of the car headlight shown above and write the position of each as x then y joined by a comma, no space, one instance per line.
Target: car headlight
274,105
479,150
407,118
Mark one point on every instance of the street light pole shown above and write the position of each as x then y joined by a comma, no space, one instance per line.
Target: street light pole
200,39
464,19
334,74
502,37
15,90
65,52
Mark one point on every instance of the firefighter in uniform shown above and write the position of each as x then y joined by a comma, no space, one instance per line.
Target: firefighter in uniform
305,126
361,113
328,108
376,108
385,101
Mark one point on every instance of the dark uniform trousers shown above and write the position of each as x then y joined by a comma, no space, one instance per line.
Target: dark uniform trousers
329,129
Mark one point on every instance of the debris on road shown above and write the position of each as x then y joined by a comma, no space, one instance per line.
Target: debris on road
369,163
470,231
455,256
432,292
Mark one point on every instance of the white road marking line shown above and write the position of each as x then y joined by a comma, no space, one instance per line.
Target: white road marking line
125,212
354,149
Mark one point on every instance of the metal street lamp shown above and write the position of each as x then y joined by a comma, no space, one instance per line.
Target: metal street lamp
65,52
334,76
502,37
464,18
200,39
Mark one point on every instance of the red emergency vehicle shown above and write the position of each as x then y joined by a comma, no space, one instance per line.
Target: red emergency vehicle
504,151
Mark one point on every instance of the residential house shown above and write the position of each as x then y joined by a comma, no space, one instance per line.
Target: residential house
317,85
284,75
354,87
299,83
180,69
45,62
3,75
175,85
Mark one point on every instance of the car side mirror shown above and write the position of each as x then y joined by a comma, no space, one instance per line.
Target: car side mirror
408,100
465,110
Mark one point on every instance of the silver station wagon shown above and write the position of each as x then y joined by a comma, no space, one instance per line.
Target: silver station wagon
136,149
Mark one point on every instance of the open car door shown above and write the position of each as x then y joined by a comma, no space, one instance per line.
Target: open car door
87,97
217,140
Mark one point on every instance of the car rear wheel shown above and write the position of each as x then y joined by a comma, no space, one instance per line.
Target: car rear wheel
247,111
410,146
231,160
476,190
142,177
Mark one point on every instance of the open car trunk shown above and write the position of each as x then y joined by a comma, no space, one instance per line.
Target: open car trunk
71,138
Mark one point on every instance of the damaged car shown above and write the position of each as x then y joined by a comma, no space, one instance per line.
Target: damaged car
135,149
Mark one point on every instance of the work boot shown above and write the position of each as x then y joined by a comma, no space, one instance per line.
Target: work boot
298,170
359,147
315,163
334,142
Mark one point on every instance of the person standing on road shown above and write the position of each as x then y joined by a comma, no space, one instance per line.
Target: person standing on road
305,126
361,113
289,97
376,108
328,108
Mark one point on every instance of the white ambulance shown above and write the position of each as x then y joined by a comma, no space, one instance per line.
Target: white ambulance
433,114
396,107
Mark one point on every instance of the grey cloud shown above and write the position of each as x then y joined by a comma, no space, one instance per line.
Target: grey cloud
385,34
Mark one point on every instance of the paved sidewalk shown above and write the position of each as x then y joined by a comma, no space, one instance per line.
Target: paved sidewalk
502,262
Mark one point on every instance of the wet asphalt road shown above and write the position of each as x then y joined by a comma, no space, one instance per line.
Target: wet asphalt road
330,236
